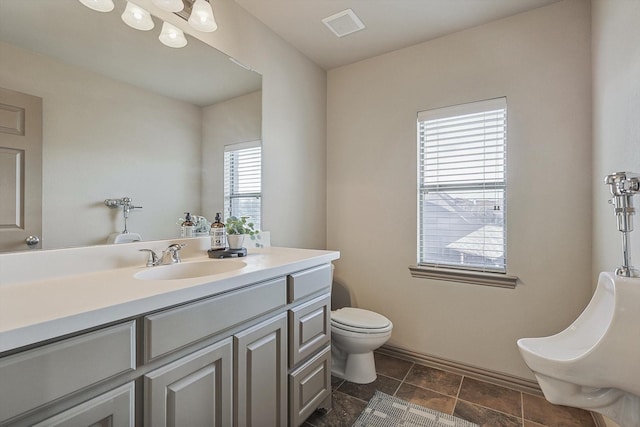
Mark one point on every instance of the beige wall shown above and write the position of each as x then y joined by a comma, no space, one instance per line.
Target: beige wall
616,109
540,61
293,126
228,122
616,114
106,139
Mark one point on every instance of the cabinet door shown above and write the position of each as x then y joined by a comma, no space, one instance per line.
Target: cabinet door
115,408
309,328
193,391
310,387
261,374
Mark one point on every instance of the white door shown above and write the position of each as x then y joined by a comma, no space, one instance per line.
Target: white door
20,170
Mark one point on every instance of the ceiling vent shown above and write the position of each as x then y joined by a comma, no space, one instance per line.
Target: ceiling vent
343,23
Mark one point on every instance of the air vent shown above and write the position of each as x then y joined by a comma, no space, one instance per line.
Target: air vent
343,23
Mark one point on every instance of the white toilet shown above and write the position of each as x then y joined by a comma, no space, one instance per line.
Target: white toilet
595,363
355,334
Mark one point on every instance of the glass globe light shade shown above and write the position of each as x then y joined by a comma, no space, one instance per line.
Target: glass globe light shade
172,36
202,18
99,5
169,5
136,17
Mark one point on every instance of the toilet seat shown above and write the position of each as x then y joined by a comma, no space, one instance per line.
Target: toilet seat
359,320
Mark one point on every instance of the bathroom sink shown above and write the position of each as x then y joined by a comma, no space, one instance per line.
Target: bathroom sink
189,270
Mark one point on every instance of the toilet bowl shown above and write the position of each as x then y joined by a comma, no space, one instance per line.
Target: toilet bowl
595,363
355,334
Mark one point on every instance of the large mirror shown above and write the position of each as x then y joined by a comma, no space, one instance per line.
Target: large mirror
123,116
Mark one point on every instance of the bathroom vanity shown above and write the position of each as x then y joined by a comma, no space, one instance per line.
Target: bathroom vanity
246,345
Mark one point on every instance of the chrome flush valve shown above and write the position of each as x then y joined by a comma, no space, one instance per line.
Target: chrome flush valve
127,206
623,185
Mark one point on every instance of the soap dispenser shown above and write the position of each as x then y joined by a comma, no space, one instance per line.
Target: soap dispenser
188,226
218,235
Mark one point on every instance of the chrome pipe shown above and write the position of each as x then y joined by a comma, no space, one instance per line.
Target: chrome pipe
623,186
626,270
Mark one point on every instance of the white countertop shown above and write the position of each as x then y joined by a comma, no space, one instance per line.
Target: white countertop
43,309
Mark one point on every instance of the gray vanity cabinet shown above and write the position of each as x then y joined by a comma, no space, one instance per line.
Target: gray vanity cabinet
258,355
309,318
261,374
195,390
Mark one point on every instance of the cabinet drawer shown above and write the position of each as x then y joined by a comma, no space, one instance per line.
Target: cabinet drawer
35,377
309,328
114,408
173,329
309,386
306,282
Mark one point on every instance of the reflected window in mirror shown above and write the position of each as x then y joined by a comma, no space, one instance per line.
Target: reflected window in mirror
243,181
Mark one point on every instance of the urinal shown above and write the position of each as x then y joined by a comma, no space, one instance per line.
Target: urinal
124,238
595,363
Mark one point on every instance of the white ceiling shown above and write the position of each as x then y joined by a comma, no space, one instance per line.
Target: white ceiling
390,24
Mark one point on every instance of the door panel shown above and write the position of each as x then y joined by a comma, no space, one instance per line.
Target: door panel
193,391
261,374
20,169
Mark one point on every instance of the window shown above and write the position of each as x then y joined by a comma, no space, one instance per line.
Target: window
242,181
462,185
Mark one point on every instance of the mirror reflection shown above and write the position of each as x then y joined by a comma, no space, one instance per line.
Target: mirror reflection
123,116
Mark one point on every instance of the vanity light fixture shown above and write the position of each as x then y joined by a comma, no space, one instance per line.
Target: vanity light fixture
172,36
202,18
137,17
198,13
169,5
99,5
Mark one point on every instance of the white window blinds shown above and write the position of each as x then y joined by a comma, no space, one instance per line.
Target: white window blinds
462,185
242,181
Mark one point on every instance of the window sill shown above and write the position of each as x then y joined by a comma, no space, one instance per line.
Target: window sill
463,276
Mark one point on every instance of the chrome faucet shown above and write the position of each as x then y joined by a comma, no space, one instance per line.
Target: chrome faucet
171,255
623,186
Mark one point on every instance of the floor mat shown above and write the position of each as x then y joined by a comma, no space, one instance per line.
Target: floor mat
388,411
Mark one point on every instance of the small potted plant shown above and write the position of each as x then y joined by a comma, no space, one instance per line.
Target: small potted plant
237,228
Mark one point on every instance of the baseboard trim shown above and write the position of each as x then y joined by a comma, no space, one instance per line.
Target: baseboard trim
498,378
511,381
599,420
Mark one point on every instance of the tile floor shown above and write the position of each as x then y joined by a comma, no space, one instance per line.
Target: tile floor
485,404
